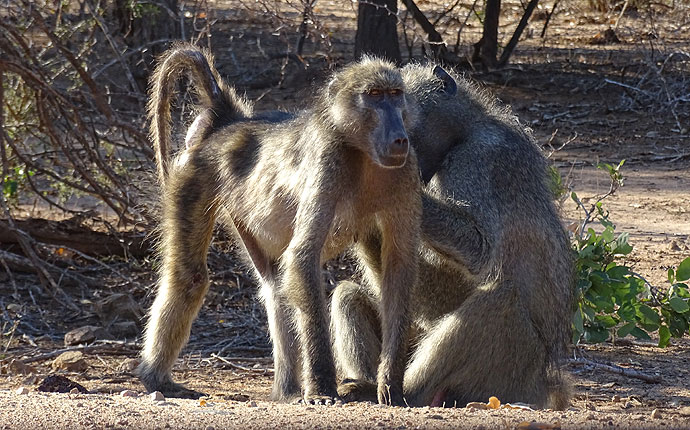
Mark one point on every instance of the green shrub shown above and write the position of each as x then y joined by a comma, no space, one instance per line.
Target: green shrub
611,299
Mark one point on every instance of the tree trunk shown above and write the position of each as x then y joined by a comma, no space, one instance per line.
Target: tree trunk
140,24
377,32
486,50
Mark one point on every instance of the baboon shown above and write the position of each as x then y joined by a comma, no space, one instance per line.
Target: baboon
491,309
296,190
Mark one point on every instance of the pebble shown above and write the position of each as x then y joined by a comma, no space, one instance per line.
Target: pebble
435,417
22,390
616,398
74,390
656,414
252,404
157,396
685,411
130,393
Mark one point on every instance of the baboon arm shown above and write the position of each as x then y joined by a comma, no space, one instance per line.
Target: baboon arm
452,231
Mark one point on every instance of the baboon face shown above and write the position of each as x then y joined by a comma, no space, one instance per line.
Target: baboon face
388,137
367,101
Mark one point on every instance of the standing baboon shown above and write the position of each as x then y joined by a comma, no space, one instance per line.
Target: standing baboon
492,306
296,190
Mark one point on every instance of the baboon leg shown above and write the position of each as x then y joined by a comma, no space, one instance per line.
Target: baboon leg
484,348
286,386
187,227
356,332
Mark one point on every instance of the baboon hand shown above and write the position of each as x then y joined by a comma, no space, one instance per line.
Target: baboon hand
390,394
351,390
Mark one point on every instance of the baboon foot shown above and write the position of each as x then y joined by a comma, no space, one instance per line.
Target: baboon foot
352,390
390,396
166,385
316,399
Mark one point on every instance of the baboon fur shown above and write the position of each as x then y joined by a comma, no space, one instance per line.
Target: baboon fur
492,306
296,190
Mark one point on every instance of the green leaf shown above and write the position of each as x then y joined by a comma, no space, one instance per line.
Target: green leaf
664,336
607,320
640,334
626,329
683,270
577,321
679,305
626,312
596,334
671,275
650,314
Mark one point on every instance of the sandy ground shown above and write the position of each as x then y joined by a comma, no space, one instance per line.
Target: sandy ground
558,90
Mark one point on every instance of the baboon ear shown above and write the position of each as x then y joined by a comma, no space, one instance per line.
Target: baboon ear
450,87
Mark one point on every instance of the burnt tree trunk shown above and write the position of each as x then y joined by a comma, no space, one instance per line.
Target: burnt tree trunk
377,31
486,50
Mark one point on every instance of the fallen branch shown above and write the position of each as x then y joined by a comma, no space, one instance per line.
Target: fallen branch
612,368
110,347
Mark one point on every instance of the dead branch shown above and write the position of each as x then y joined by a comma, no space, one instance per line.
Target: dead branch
630,373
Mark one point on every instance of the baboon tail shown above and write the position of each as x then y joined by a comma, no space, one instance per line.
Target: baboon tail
213,95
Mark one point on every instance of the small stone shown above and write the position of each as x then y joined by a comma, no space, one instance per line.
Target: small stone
477,405
128,365
129,393
74,390
435,417
124,329
157,396
627,405
22,390
81,335
252,404
590,417
684,411
71,361
656,414
616,398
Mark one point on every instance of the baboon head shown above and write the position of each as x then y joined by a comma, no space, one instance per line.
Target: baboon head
366,102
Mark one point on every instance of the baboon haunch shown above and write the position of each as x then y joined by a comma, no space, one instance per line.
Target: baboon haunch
491,310
296,190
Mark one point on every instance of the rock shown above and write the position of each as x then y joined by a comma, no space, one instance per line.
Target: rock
18,367
118,307
684,411
124,329
656,414
14,307
22,390
82,335
59,384
129,393
74,390
71,361
157,396
238,397
129,365
252,404
616,398
477,405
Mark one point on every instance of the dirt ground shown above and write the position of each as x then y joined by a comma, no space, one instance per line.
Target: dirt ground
559,88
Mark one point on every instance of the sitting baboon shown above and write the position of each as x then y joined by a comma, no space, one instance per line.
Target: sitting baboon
295,190
492,306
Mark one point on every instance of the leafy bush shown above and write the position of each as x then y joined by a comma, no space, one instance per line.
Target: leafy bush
611,299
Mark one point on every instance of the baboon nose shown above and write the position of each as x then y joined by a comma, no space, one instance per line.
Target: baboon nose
399,147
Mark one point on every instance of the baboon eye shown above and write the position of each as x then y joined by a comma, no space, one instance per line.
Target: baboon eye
395,92
374,92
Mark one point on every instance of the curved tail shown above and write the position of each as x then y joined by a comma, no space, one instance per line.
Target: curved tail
217,100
